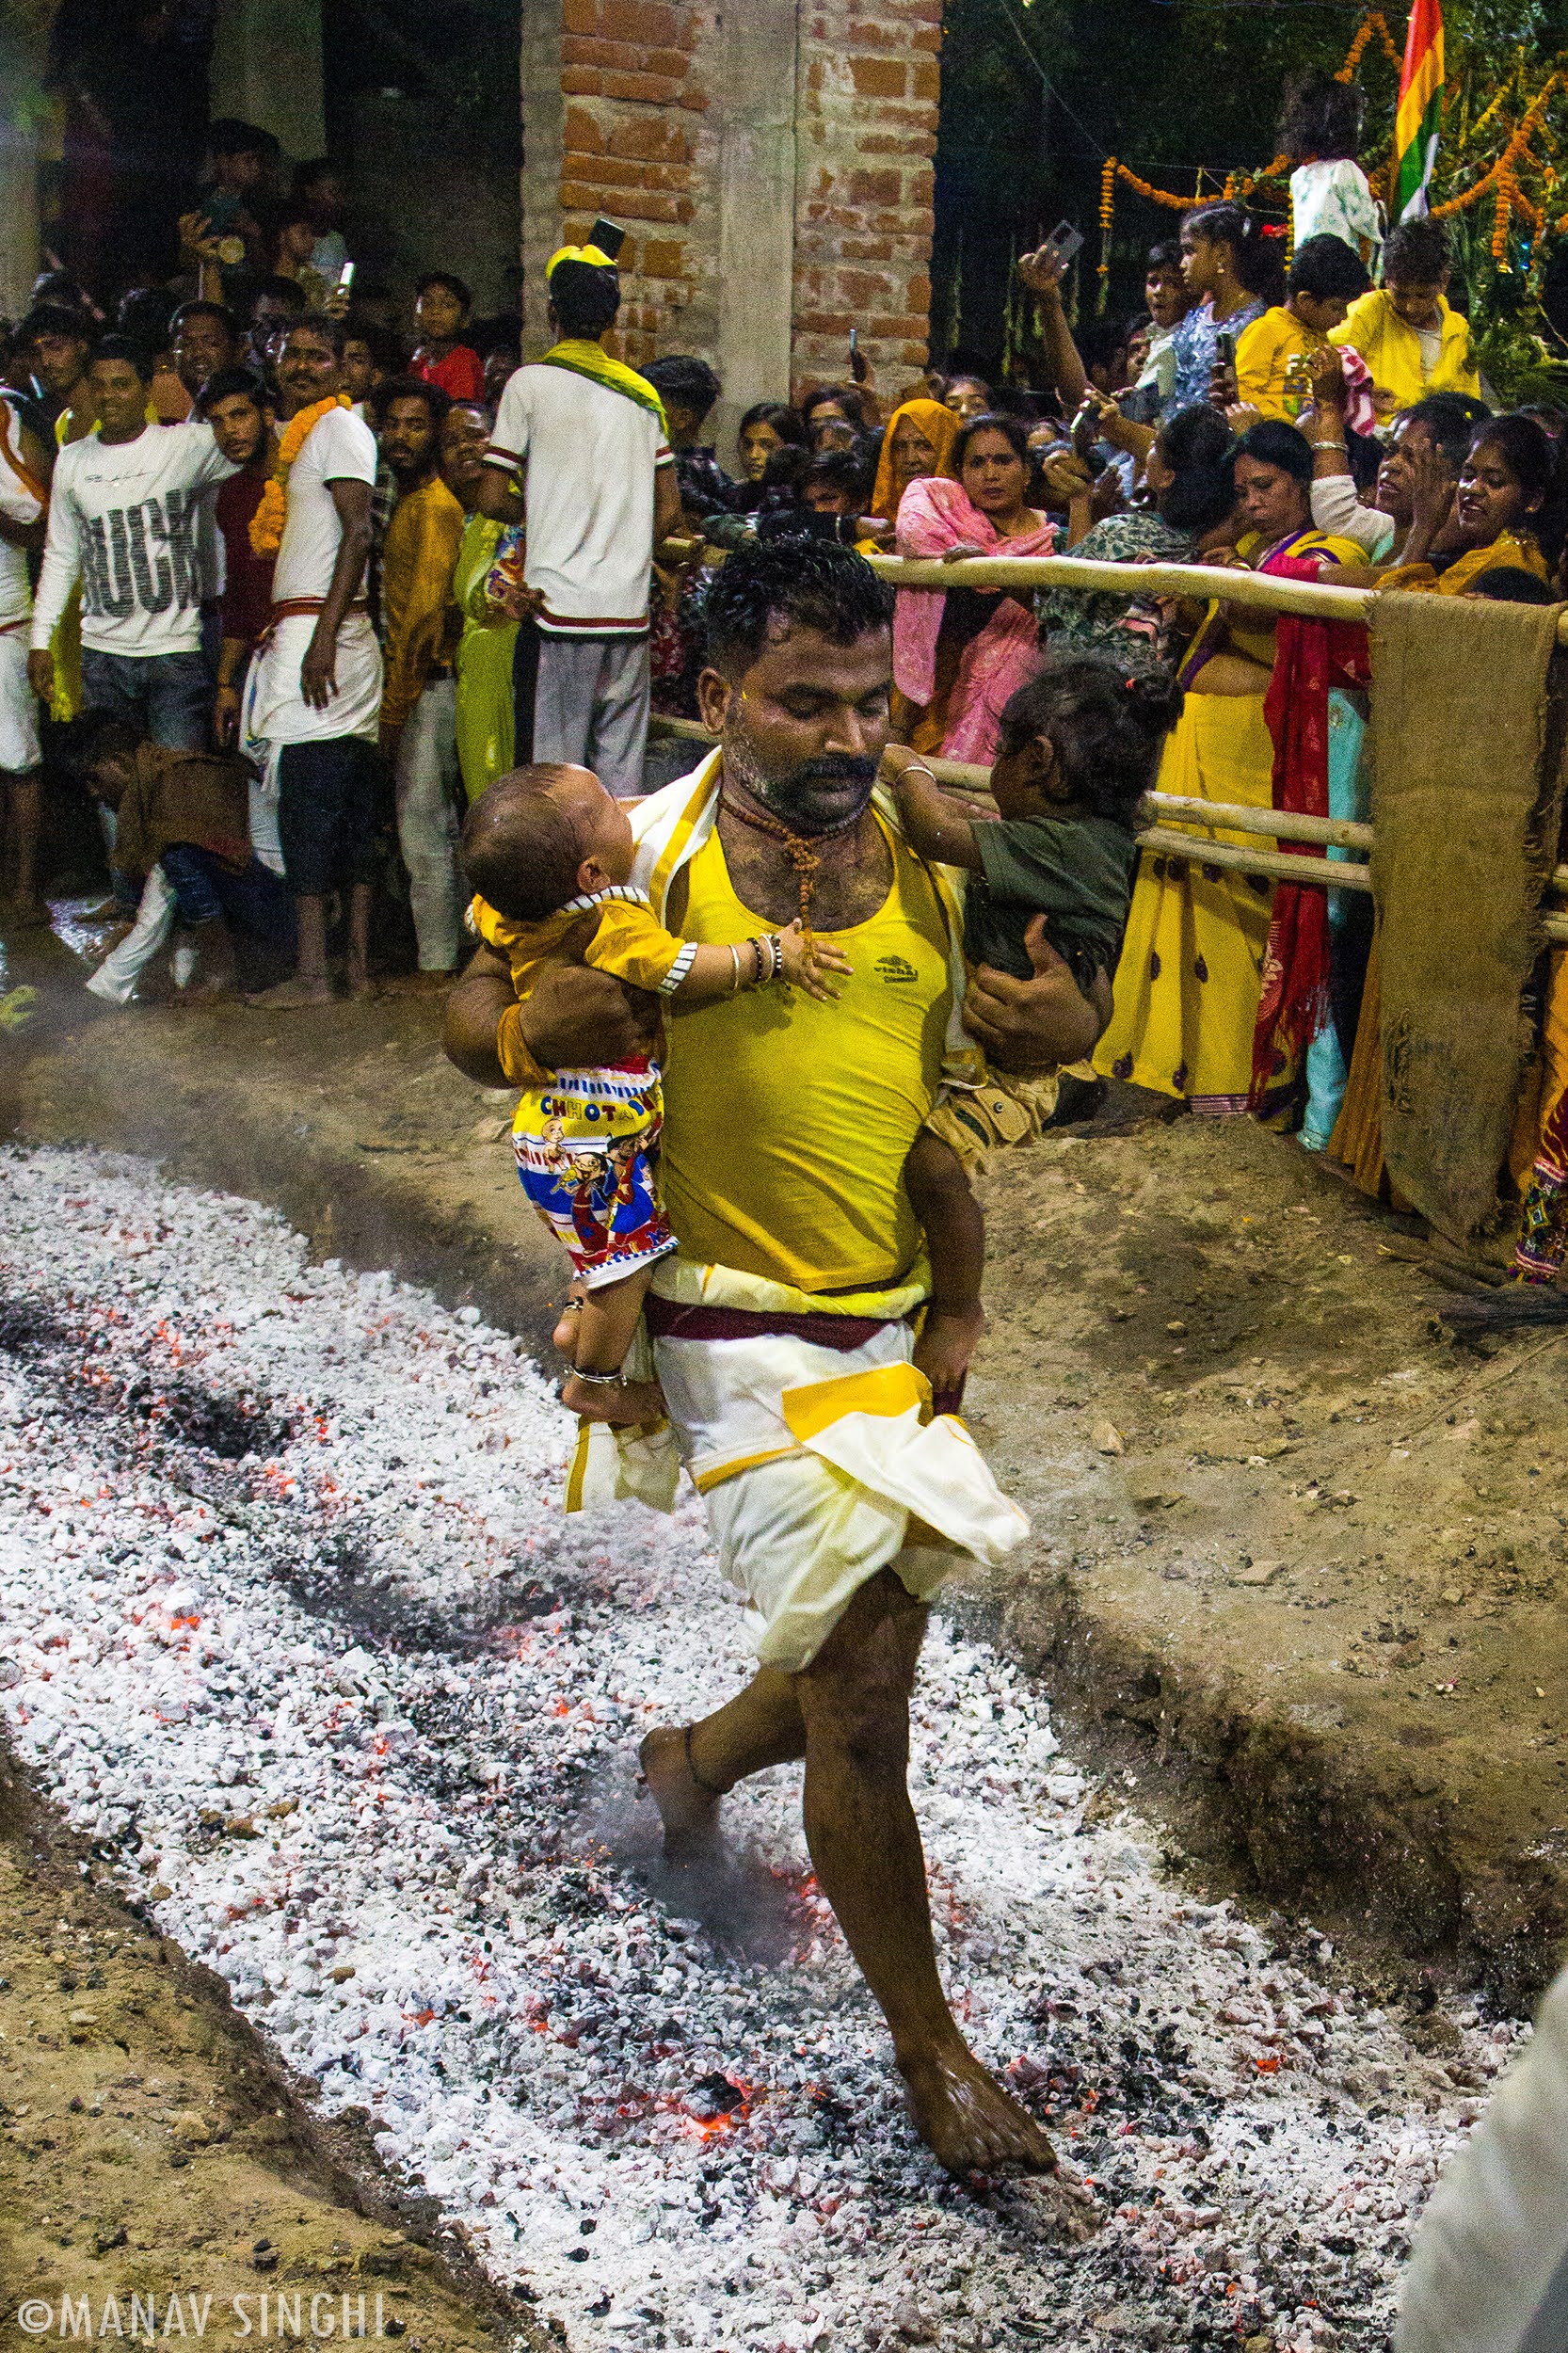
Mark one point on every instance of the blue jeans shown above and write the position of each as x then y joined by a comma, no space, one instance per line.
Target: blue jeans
167,696
207,890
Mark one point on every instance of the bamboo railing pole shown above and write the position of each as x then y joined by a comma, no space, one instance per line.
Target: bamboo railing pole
1276,864
1129,580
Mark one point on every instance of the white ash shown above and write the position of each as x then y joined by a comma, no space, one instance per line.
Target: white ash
292,1625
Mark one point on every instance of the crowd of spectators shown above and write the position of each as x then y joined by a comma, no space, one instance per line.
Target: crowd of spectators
507,561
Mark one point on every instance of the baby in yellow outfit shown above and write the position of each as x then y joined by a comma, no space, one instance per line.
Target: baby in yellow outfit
545,848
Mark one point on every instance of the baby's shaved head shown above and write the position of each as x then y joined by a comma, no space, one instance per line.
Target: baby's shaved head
526,836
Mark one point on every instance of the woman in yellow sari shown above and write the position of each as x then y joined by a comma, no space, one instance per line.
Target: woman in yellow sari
1509,500
1191,975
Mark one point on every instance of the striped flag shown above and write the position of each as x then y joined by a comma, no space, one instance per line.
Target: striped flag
1420,110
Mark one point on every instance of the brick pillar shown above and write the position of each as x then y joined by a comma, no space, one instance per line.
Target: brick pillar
692,127
866,130
615,100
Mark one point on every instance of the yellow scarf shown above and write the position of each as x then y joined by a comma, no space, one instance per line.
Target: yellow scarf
267,524
584,356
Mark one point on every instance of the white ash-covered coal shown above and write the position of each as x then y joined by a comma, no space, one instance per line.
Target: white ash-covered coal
293,1626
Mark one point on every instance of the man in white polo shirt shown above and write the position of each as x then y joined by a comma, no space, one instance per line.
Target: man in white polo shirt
587,435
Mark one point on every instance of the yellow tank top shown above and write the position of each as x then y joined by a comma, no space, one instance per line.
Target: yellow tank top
787,1122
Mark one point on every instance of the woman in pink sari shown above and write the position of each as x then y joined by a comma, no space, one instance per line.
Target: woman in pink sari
958,655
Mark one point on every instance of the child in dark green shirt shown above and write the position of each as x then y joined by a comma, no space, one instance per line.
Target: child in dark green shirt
1078,749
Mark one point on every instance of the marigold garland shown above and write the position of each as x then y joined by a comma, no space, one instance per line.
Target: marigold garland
267,524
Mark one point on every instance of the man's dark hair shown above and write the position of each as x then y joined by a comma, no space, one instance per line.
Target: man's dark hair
233,384
288,291
386,347
1510,584
229,136
1326,268
134,355
1415,254
332,330
55,318
1451,419
810,584
455,287
1099,342
689,381
380,397
311,173
521,849
145,314
203,309
586,297
99,736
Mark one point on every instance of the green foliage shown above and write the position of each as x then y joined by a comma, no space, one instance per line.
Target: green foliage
1037,92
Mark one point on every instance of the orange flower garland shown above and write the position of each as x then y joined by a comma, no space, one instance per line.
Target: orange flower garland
267,524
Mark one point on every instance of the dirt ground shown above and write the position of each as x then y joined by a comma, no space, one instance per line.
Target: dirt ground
1299,1562
150,2148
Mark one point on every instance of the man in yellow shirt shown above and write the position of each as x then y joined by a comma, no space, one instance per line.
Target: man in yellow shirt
781,1334
419,698
1411,340
1325,278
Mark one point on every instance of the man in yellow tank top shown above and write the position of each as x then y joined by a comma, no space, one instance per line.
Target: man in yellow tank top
782,1332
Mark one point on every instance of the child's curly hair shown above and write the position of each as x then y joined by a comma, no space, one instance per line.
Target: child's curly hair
1106,728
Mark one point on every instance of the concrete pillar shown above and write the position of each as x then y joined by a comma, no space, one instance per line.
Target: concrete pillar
266,69
757,206
18,215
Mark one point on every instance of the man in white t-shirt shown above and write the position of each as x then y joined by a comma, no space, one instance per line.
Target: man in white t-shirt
125,513
313,698
23,500
587,435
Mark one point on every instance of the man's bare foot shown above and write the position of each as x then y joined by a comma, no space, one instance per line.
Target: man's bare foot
289,996
623,1408
415,984
689,1813
966,2119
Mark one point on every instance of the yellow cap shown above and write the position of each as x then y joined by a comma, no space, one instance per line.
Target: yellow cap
588,254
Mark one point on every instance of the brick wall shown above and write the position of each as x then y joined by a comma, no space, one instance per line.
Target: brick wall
623,106
637,145
867,132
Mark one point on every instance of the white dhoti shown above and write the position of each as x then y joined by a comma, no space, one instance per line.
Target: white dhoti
275,712
818,1466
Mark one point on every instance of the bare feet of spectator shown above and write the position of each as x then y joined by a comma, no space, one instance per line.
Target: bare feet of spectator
290,996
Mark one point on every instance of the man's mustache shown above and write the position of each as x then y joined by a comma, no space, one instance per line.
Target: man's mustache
834,769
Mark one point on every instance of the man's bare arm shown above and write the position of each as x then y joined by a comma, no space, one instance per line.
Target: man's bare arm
666,504
575,1017
500,493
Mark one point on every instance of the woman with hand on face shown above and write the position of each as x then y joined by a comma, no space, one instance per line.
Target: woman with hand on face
1508,510
1191,978
959,655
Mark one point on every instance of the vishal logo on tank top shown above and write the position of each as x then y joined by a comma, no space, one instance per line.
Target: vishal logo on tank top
141,558
896,970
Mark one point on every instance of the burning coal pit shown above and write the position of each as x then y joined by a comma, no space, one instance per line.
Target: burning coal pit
293,1628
